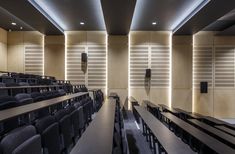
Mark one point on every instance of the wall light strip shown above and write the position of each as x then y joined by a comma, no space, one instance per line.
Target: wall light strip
65,55
170,73
41,10
191,14
43,55
193,97
129,73
106,43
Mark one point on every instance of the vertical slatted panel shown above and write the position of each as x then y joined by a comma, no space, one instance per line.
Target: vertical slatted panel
160,65
97,66
74,71
33,59
224,67
138,64
202,65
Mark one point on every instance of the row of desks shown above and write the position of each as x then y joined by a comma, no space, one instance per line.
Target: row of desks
219,138
24,109
165,137
98,137
204,138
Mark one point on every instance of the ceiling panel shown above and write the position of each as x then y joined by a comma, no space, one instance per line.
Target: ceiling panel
6,18
118,15
69,13
167,13
23,10
214,10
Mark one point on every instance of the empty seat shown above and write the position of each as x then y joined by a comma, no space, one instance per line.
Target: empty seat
24,98
66,130
7,102
62,92
37,96
23,140
48,128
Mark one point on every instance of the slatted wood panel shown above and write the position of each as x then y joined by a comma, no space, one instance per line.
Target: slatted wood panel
97,66
202,65
33,59
138,63
160,65
224,67
74,71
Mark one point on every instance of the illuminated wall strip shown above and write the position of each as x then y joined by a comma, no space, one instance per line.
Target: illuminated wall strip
65,55
193,97
170,73
129,59
43,55
106,43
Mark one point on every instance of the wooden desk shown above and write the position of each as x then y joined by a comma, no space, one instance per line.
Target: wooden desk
26,87
222,136
204,138
24,109
168,109
226,129
213,121
98,137
167,139
151,104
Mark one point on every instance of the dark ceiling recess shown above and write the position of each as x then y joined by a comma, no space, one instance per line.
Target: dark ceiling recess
26,12
222,23
207,15
228,32
7,18
118,15
69,13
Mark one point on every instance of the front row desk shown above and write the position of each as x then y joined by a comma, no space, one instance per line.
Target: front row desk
178,131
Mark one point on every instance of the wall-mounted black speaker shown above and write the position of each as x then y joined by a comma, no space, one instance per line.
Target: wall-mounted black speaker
148,73
84,57
204,87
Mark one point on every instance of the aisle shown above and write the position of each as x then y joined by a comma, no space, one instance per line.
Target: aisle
136,141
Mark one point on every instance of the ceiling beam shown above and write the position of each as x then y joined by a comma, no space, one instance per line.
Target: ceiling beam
118,15
25,11
207,15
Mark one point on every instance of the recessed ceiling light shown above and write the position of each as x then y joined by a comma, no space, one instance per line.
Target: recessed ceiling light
82,23
13,23
154,23
21,27
9,30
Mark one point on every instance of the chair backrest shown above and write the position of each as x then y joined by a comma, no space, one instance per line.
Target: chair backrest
23,84
7,102
23,139
24,98
37,96
66,128
48,128
62,92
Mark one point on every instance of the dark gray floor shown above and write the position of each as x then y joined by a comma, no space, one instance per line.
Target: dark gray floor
136,141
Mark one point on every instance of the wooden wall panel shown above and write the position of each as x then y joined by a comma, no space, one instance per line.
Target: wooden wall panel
3,49
182,72
118,65
54,56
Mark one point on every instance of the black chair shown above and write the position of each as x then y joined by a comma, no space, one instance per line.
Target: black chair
48,128
23,99
37,96
23,140
66,130
5,103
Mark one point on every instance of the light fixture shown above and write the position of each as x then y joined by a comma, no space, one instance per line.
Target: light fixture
13,23
82,23
9,30
21,27
154,23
